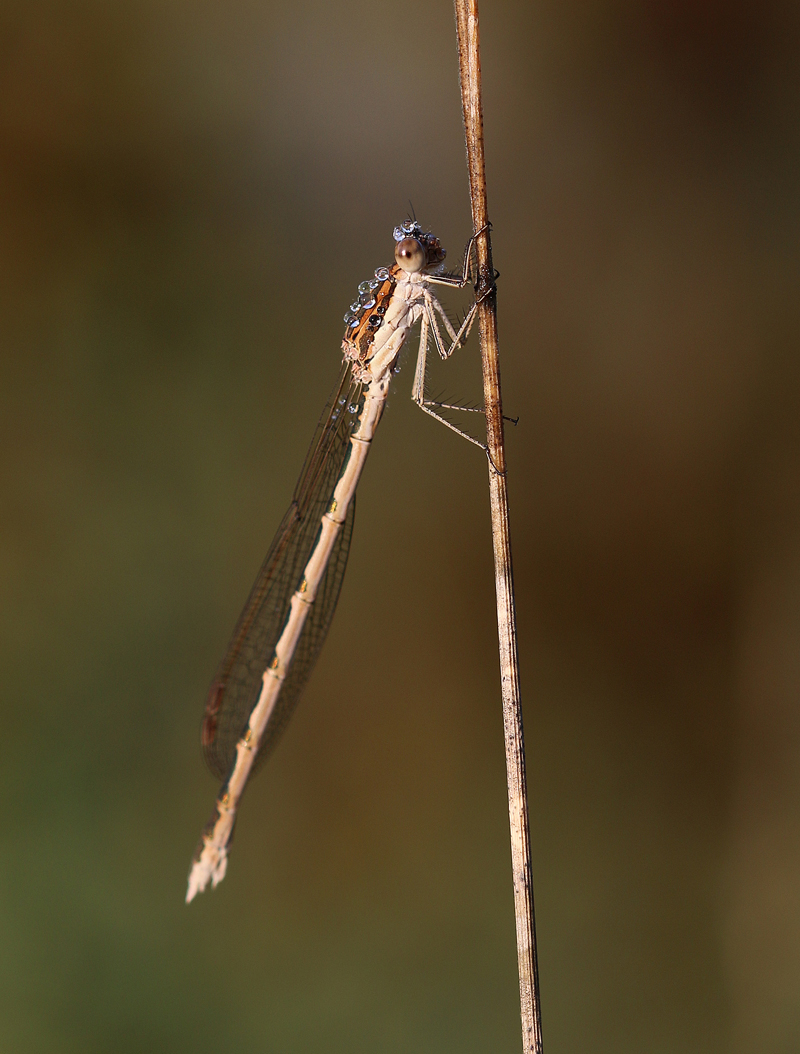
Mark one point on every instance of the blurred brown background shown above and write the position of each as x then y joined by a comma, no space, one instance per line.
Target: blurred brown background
189,194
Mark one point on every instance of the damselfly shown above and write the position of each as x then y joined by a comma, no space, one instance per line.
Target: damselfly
287,616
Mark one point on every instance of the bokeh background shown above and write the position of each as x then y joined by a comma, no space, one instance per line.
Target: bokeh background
189,194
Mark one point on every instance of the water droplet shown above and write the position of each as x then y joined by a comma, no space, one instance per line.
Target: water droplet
398,234
348,317
353,408
363,287
368,301
353,322
373,283
382,273
356,305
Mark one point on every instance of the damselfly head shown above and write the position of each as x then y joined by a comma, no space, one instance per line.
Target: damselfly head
416,250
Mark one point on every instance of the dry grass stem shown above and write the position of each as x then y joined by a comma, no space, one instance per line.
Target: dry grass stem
470,73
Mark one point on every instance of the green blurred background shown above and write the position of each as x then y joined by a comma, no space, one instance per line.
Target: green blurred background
189,194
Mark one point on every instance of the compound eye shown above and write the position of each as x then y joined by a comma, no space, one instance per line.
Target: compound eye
410,255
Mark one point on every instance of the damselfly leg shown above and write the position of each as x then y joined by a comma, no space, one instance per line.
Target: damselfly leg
430,327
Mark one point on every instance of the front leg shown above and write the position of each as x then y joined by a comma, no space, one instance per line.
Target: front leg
454,280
